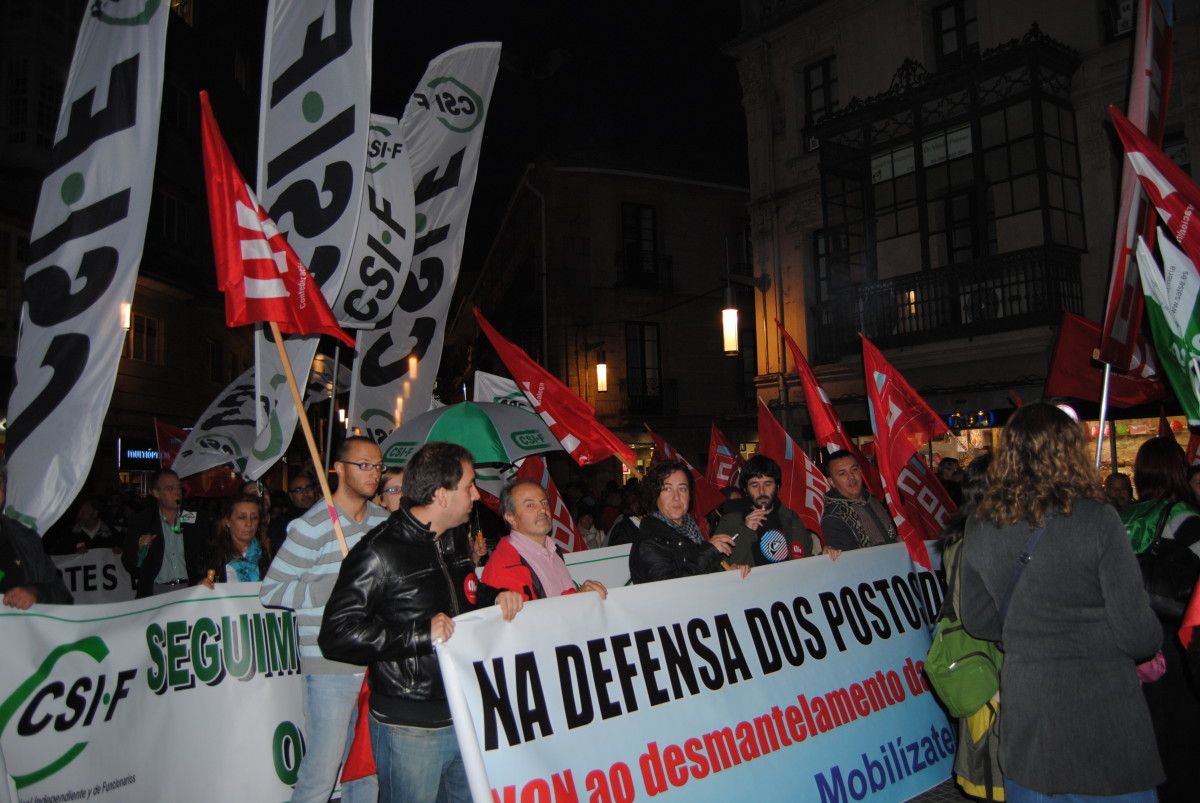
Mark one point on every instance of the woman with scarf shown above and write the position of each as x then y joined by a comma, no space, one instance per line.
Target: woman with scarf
240,552
670,543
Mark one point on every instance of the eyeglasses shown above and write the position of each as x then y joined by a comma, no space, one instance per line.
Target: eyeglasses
365,466
299,489
391,491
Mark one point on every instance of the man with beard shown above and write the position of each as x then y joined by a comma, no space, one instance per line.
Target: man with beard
527,560
853,518
764,531
165,547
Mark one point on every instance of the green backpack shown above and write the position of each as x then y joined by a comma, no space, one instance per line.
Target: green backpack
963,670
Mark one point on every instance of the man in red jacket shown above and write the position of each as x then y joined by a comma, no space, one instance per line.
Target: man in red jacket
527,560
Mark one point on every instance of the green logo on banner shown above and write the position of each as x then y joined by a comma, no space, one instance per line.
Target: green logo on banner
63,704
398,453
457,106
140,18
528,439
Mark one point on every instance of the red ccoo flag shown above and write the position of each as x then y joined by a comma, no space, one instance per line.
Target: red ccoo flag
1172,191
803,485
904,423
1072,372
827,427
570,418
564,532
1191,619
259,273
724,461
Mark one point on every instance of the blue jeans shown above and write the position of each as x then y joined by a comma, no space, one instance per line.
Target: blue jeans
330,711
418,765
1015,793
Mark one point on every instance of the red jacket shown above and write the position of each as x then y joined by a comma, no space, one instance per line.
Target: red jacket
508,570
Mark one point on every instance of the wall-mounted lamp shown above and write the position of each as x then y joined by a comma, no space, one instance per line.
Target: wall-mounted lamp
601,372
341,415
729,323
126,315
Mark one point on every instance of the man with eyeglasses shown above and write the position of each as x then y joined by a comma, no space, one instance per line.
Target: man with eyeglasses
301,577
302,493
390,488
165,546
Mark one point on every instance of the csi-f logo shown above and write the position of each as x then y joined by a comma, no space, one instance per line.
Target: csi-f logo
381,149
528,439
65,699
398,453
140,16
456,105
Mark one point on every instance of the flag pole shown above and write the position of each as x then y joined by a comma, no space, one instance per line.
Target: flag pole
322,477
1103,415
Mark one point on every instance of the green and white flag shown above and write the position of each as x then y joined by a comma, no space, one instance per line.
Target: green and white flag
1174,319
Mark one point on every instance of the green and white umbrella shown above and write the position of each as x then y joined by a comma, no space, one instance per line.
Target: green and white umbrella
494,434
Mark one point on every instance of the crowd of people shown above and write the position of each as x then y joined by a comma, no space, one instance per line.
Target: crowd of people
1099,698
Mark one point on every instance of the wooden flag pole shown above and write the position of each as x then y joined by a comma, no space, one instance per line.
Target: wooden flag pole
308,436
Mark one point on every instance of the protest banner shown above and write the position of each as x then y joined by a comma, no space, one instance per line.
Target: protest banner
95,576
193,695
608,565
801,682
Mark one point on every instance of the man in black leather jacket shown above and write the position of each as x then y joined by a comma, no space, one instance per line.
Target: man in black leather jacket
393,601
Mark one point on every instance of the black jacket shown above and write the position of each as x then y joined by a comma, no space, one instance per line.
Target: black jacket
196,537
661,553
390,586
33,567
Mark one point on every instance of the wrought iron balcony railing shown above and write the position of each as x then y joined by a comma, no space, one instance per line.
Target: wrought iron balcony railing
993,294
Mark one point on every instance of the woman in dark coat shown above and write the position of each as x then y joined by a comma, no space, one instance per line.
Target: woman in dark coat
670,543
1077,624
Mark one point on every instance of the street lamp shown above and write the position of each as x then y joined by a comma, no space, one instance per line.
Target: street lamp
126,315
601,372
729,323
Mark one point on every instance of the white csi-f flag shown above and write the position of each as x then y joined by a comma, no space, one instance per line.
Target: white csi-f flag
84,251
1171,305
442,128
383,247
316,93
500,389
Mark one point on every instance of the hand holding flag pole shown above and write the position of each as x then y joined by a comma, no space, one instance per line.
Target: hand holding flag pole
262,278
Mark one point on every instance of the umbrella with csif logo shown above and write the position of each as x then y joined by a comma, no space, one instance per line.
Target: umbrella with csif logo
495,434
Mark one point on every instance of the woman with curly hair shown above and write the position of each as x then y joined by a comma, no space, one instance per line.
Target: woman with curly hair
240,551
1074,623
669,543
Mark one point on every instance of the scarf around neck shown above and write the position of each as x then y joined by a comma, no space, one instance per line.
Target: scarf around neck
688,529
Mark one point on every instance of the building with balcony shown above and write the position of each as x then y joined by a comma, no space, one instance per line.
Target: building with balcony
597,263
939,176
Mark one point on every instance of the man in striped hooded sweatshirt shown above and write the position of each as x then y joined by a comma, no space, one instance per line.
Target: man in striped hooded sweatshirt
301,577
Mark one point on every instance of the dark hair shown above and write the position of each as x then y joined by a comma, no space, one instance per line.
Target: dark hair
506,495
1160,471
435,465
974,486
344,447
945,461
1039,466
759,466
158,475
223,550
656,477
840,454
1193,471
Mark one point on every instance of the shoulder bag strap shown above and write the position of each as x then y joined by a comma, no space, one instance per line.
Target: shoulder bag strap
1022,560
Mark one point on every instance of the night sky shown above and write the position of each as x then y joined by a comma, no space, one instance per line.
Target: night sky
634,85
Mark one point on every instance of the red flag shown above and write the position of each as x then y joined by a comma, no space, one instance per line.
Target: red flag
259,273
169,439
1072,372
570,418
564,532
903,424
1172,191
1149,88
1191,619
827,427
707,497
1016,400
724,461
360,761
491,502
803,485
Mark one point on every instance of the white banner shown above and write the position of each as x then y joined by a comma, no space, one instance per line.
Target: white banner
442,128
608,565
501,389
95,576
312,145
383,247
225,432
84,250
801,682
194,695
